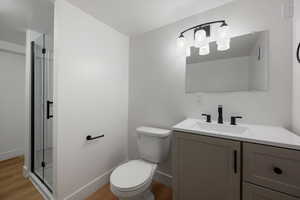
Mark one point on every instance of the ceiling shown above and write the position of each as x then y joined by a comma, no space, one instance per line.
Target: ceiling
133,17
18,15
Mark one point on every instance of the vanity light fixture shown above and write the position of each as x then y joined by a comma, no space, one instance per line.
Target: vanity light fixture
181,41
202,37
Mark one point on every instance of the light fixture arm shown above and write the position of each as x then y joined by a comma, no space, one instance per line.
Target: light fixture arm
223,22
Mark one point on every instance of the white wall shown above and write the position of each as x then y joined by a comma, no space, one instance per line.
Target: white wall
157,74
296,69
12,47
12,105
90,97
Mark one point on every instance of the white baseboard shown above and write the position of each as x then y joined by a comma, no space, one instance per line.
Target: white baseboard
90,188
163,178
11,154
25,171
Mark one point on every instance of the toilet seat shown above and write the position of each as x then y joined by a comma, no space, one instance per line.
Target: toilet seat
132,176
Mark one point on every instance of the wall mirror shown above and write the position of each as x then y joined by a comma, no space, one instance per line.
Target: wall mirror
243,67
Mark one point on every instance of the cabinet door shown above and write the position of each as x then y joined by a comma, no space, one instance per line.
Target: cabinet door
205,168
253,192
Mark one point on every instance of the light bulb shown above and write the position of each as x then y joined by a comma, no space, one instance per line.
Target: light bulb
200,35
201,38
204,50
181,41
224,44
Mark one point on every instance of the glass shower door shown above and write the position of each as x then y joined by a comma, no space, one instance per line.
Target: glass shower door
41,136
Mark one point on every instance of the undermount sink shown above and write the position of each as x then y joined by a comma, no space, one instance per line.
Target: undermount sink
220,128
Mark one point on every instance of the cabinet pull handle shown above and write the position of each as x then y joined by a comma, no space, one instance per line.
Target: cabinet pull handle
277,170
235,161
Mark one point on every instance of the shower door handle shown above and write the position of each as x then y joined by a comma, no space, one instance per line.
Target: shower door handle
49,103
298,53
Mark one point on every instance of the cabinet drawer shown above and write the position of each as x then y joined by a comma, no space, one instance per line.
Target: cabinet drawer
253,192
272,167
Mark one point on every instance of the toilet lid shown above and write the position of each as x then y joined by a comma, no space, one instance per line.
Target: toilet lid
132,175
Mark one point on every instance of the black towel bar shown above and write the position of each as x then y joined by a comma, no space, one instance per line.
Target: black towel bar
89,137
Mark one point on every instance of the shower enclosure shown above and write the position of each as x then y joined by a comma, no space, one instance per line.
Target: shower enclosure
41,109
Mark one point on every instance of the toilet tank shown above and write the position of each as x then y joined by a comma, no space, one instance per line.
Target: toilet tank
153,143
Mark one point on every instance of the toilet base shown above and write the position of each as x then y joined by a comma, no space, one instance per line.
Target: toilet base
147,195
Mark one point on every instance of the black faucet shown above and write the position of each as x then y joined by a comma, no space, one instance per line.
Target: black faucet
208,117
233,119
220,114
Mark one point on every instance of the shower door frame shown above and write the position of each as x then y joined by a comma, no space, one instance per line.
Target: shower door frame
32,124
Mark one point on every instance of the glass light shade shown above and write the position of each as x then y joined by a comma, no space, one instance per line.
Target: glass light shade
223,40
200,35
204,50
223,32
181,42
224,44
188,51
201,39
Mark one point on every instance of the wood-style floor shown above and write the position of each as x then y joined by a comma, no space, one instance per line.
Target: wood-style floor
161,192
13,186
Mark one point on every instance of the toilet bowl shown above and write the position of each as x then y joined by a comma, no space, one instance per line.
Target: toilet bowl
132,180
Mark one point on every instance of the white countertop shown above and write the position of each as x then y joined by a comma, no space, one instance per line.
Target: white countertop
268,135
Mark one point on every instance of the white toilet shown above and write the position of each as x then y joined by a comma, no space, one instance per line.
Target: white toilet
132,180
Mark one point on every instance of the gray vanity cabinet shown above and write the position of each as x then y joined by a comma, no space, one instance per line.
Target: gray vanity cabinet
272,167
254,192
206,168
